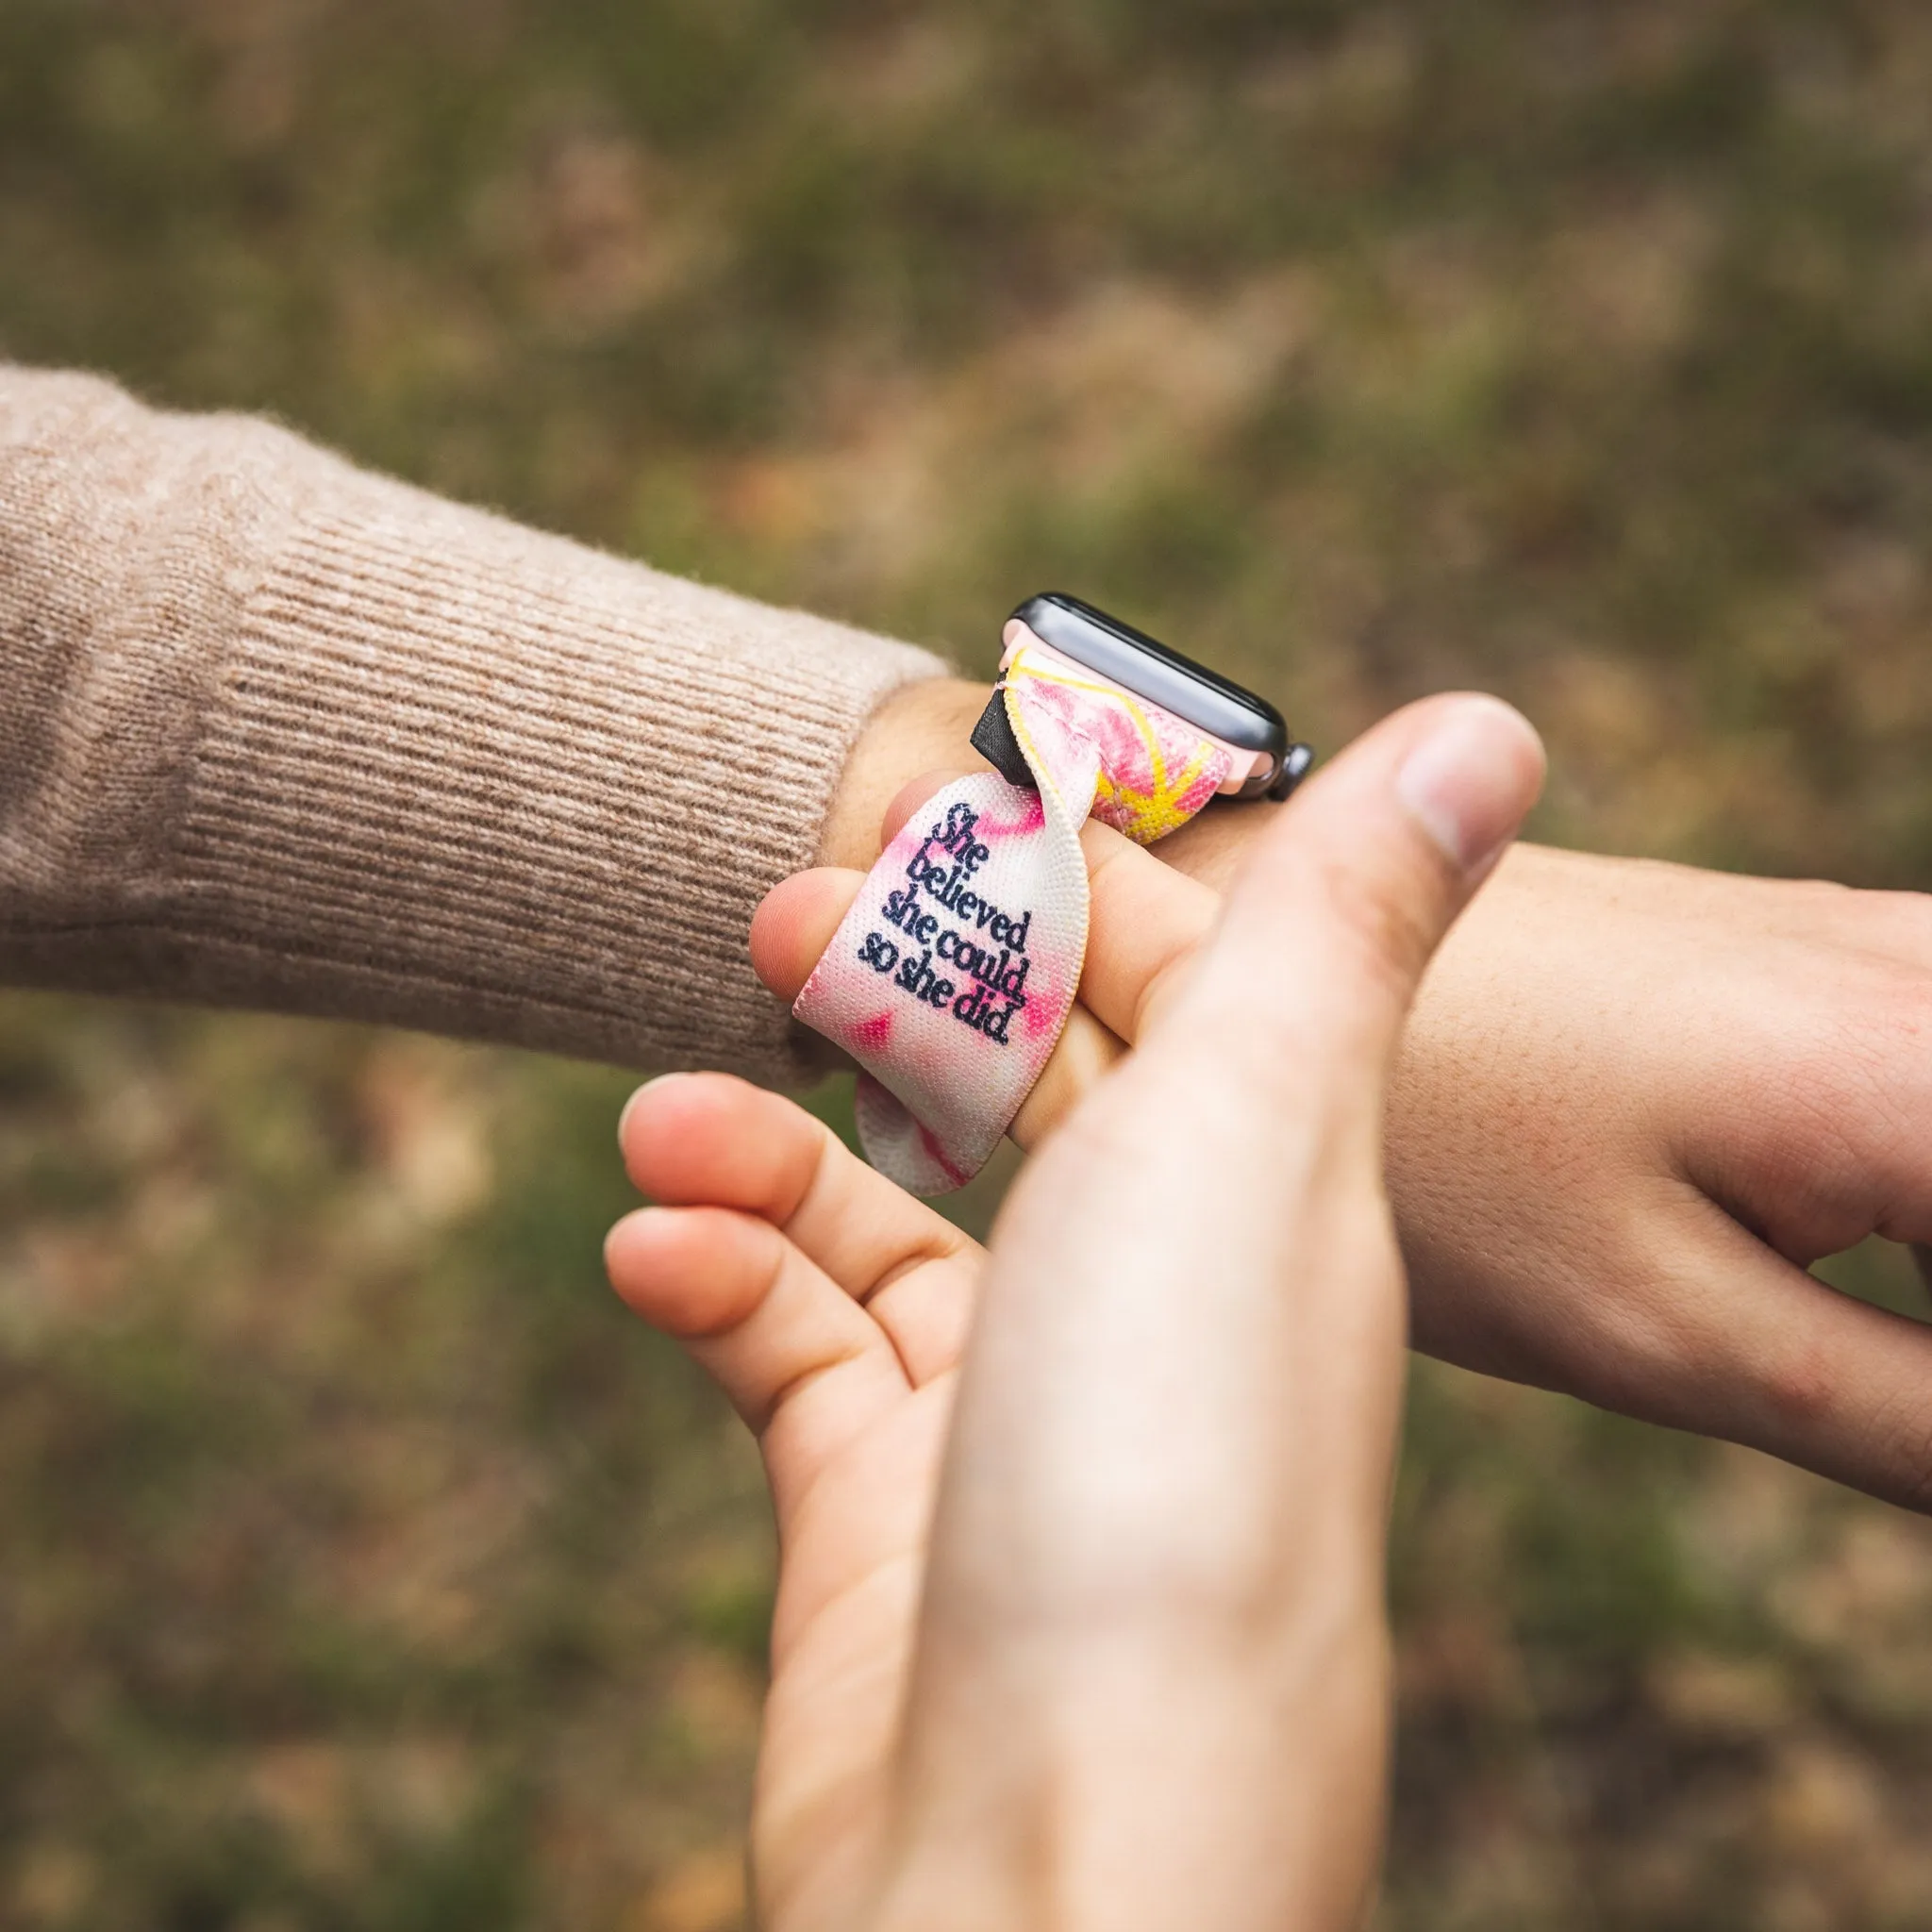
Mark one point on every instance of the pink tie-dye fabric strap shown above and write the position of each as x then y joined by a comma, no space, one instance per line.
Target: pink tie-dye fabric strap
952,976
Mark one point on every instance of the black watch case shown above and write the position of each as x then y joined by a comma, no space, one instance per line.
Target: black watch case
1151,670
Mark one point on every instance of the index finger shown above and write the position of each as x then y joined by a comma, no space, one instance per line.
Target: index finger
1145,922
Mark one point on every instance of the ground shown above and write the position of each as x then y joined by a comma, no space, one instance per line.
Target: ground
360,1562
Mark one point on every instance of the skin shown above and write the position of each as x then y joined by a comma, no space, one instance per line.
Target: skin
1633,1104
1079,1618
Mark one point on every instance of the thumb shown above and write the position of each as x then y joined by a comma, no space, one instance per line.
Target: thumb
1346,895
1151,1678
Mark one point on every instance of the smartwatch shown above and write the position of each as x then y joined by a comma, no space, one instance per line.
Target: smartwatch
1266,762
953,972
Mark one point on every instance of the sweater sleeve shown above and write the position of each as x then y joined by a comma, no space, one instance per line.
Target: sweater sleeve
278,733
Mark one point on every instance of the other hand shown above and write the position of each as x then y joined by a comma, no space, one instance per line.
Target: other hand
1635,1102
1149,1685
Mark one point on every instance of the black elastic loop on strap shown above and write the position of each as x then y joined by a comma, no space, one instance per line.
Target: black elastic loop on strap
993,740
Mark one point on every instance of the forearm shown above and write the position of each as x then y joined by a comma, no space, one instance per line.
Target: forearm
1133,1780
278,733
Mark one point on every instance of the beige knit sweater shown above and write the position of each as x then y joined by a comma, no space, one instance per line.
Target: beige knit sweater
278,733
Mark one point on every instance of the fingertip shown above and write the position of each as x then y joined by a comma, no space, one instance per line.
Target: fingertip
912,795
632,1250
664,1111
794,924
638,1108
712,1139
691,1272
1471,777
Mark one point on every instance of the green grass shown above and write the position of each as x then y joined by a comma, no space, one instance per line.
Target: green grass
360,1564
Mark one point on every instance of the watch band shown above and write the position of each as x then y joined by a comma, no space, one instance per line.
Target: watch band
951,977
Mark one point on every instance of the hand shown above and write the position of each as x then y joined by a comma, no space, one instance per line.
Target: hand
1150,1683
1634,1103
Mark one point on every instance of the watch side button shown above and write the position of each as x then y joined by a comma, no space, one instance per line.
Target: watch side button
1294,768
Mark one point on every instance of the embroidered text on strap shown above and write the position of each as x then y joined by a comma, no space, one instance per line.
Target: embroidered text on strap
952,976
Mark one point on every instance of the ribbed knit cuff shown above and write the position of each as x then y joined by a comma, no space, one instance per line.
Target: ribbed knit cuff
467,777
278,733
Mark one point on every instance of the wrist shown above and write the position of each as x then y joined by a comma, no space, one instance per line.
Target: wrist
921,727
928,726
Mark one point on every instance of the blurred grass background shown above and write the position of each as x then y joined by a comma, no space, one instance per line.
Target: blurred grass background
360,1564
